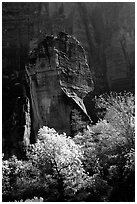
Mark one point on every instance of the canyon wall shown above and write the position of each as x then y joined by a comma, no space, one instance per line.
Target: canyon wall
106,30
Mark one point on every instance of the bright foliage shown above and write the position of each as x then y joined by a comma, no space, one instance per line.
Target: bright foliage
98,164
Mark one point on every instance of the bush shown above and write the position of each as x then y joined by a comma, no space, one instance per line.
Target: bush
35,199
19,178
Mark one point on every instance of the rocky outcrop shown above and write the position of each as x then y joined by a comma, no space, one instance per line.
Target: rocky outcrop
59,78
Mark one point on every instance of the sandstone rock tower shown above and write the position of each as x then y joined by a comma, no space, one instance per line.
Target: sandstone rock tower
59,78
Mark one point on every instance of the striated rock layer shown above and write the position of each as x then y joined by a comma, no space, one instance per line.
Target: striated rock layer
59,79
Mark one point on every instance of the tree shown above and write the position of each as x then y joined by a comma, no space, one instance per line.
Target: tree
59,157
78,122
53,170
109,147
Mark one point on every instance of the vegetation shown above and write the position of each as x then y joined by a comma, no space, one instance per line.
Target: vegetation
98,164
109,146
78,122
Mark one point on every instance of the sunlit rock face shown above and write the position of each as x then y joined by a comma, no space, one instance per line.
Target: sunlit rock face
59,79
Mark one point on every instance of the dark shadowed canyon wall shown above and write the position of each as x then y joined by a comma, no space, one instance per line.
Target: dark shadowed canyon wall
106,30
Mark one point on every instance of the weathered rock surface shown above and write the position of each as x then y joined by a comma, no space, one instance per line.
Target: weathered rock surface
59,78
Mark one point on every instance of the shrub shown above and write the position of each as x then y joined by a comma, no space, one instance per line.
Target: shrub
19,178
35,199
